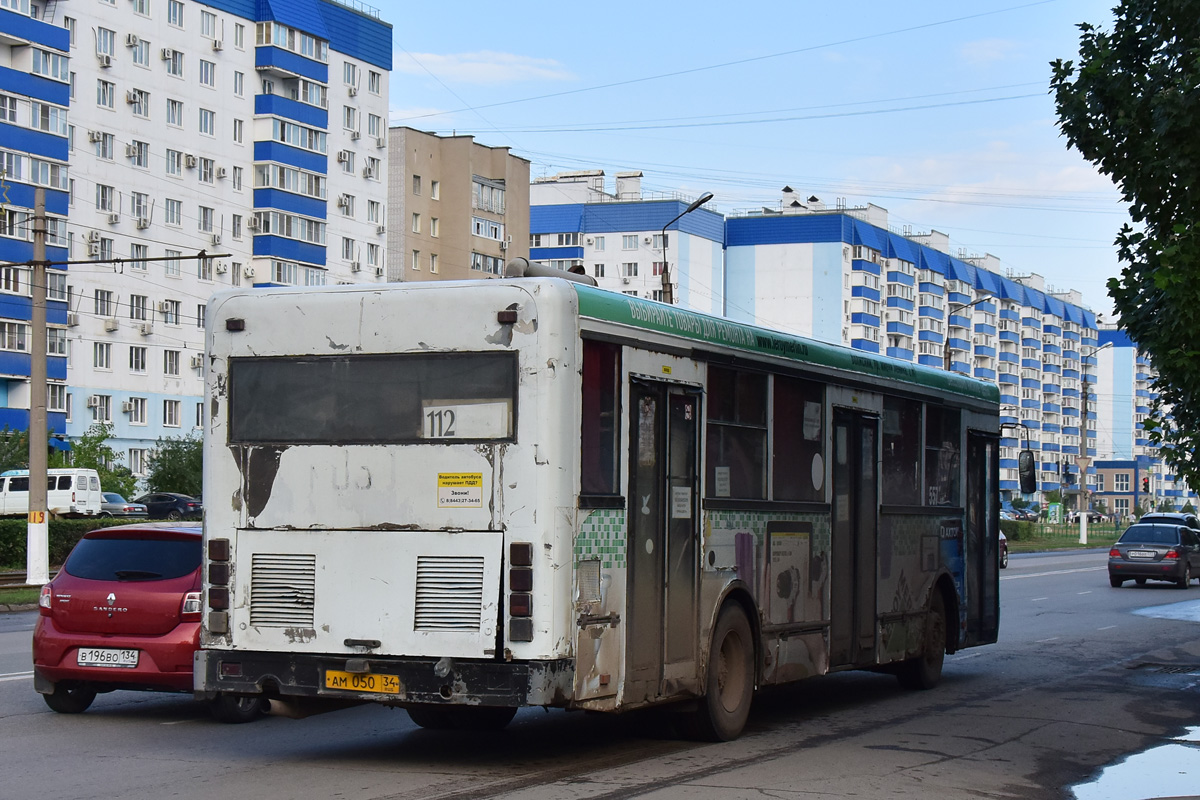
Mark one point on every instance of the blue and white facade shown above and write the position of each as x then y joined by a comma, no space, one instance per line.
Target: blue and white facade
841,275
1130,473
617,238
253,132
35,88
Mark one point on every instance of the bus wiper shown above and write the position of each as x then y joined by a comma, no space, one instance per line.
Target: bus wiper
135,574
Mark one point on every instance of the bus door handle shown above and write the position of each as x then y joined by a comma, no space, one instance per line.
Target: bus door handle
369,644
587,620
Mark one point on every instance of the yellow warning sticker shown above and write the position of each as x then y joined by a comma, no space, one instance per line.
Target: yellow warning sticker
460,490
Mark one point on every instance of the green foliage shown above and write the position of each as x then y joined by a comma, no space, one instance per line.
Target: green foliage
1052,496
1019,503
14,449
1188,508
63,533
92,450
1130,107
177,466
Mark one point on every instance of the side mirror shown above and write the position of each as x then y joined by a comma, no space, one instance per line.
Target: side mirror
1027,472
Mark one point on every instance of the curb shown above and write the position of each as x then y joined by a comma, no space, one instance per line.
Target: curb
18,607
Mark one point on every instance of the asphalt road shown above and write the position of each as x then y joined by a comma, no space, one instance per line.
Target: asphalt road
1084,676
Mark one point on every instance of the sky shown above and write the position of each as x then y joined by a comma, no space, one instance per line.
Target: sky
939,112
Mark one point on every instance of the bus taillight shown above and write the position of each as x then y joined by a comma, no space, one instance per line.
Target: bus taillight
218,580
520,588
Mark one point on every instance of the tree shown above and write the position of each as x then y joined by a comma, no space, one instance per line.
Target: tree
92,450
14,449
177,465
1188,508
1132,108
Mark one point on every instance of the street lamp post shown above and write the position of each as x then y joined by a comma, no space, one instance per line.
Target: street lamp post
668,293
1083,460
949,312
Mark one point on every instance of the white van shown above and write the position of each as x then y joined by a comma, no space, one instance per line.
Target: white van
72,492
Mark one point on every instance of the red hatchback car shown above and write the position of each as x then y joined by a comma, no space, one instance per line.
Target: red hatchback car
124,613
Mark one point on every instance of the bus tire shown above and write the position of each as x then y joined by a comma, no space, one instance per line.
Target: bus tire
729,685
70,699
461,718
235,709
925,670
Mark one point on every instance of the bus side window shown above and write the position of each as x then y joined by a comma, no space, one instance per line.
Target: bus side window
601,417
901,451
737,434
798,440
943,432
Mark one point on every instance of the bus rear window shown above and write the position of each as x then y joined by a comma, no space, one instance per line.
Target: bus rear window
373,399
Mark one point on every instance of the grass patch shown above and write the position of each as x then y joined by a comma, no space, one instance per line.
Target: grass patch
19,596
1041,538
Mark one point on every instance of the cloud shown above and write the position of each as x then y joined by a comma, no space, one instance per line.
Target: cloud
982,52
482,67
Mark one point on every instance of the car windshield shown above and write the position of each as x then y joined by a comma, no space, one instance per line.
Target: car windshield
1150,534
107,559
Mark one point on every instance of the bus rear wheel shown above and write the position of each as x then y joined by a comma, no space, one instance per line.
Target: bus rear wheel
729,686
461,718
925,671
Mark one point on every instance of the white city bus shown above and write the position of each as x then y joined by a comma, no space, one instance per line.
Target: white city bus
464,498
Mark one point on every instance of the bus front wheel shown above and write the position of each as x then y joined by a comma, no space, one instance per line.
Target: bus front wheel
924,671
729,686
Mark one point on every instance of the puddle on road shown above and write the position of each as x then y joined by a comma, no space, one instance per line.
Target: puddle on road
1169,770
1187,611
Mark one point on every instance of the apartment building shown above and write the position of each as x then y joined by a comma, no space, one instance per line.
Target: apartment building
626,238
842,275
456,209
1130,474
200,146
35,91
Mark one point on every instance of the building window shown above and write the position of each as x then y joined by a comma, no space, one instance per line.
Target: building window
374,81
137,412
173,212
375,215
487,195
139,99
347,248
629,242
13,336
170,362
237,179
201,313
598,244
171,263
239,35
208,122
141,50
435,190
208,24
102,355
101,407
56,397
629,269
416,223
106,42
1121,482
598,270
138,253
433,262
175,63
204,269
373,255
103,304
239,83
137,460
56,341
171,413
434,228
239,127
416,259
207,170
416,184
105,92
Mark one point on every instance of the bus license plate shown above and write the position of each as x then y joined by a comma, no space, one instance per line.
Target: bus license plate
106,657
362,682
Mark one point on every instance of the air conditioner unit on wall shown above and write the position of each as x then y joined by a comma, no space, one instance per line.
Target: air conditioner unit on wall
126,406
95,136
248,272
114,218
356,266
222,172
132,40
197,362
379,272
111,324
93,400
93,236
253,223
216,238
145,329
143,223
222,268
355,135
105,59
382,229
352,91
380,142
72,319
189,160
218,45
647,240
166,53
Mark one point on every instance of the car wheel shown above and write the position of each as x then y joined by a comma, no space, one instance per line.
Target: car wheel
1004,560
1185,579
461,718
104,515
174,515
925,671
1114,581
235,709
70,699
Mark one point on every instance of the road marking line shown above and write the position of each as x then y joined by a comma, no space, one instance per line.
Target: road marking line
965,657
1036,599
1106,628
1051,639
15,676
1089,591
175,722
1053,572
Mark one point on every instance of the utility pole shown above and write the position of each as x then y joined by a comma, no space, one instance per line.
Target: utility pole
37,546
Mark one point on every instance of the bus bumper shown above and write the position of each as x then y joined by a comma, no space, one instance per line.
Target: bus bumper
384,679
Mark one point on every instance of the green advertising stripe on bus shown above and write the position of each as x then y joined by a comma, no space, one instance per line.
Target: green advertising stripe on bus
646,314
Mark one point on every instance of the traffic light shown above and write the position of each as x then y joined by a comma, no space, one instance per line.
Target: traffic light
1146,485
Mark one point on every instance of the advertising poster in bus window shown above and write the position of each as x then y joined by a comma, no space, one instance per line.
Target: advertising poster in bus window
794,583
646,433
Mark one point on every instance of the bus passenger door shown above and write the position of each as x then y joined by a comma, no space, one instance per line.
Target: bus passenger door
854,532
663,526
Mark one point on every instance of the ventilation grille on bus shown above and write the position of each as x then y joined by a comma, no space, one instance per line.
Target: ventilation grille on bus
449,593
282,590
